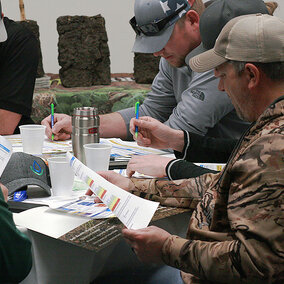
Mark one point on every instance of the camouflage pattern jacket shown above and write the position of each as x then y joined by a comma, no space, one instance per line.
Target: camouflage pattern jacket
236,232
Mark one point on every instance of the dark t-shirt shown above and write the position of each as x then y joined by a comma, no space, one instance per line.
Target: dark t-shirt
15,253
19,56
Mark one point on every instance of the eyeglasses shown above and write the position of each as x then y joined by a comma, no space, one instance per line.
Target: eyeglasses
154,27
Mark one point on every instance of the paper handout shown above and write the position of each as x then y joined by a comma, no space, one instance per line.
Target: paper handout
122,150
134,212
49,147
5,153
84,206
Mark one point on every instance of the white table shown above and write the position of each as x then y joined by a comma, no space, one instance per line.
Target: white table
58,262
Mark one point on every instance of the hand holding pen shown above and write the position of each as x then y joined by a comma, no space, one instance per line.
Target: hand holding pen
137,117
52,119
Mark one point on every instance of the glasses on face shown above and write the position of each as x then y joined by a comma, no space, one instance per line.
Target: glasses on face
154,27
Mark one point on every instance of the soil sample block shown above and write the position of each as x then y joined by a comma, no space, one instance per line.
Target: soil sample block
34,28
83,51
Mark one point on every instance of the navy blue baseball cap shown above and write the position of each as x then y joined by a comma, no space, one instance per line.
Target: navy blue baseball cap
3,33
154,22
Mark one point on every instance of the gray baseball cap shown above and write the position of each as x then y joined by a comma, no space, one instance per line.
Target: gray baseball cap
249,38
216,16
154,22
3,33
24,169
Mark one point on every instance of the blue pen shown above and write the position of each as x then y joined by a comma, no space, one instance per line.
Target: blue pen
137,116
52,119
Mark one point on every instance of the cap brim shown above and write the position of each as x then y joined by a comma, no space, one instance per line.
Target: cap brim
16,184
3,33
206,61
196,51
151,44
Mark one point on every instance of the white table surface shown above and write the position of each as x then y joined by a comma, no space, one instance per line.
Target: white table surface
58,262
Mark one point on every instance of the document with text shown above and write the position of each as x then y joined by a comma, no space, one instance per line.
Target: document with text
134,212
5,153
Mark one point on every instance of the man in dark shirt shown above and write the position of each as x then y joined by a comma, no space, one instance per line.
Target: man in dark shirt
19,55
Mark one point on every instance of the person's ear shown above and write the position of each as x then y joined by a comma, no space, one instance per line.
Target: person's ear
252,74
193,17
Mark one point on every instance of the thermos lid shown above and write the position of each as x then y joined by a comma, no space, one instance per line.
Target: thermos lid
85,111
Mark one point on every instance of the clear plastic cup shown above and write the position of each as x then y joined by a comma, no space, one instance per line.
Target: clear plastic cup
32,138
61,176
97,156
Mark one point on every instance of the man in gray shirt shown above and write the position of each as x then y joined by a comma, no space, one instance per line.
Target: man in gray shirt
180,98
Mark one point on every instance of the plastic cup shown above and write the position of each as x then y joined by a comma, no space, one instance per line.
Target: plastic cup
97,156
32,138
61,176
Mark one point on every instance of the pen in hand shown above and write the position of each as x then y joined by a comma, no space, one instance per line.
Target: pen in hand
137,116
52,119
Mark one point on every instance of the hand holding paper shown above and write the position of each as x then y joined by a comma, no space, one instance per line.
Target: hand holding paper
134,212
117,179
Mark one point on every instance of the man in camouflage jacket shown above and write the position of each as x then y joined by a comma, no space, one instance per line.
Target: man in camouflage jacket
236,233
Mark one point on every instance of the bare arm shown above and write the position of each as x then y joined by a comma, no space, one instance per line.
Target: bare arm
62,126
9,121
152,165
4,190
112,125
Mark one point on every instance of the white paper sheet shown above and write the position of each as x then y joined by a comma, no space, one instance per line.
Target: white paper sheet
134,212
127,149
49,147
5,153
84,206
48,221
212,166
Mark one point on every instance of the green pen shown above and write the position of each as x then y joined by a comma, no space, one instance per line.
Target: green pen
137,116
52,119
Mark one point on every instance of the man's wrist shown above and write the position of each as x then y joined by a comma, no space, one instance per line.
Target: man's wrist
177,143
131,185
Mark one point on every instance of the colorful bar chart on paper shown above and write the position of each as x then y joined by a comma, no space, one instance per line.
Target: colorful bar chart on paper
134,212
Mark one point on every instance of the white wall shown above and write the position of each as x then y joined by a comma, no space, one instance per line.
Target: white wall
116,13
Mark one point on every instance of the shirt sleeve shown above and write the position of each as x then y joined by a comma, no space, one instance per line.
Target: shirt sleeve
206,149
181,169
160,101
15,248
19,62
184,193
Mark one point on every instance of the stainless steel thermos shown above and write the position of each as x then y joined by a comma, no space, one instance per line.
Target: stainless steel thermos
85,129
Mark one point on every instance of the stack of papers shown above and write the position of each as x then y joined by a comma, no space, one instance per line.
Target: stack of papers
49,147
125,150
121,150
5,153
86,207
